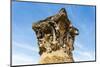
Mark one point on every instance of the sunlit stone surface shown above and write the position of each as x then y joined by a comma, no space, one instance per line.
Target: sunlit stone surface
56,36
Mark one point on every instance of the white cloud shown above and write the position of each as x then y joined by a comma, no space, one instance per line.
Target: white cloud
84,56
81,54
21,59
25,46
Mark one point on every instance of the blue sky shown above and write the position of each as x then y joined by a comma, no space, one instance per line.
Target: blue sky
24,42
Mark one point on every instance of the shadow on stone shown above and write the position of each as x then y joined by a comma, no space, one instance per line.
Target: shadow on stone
55,36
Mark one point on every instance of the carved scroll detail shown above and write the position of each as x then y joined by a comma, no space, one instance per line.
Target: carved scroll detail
56,34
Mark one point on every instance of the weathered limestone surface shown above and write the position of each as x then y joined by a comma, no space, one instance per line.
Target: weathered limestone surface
55,36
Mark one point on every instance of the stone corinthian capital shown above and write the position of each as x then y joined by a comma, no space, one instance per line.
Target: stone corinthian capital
55,36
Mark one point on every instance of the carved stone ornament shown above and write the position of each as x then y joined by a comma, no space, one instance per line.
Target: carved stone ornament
55,36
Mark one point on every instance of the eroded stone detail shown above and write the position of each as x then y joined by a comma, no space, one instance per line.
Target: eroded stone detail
55,36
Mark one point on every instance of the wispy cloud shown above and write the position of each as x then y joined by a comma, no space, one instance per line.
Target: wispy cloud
25,46
84,56
81,54
21,59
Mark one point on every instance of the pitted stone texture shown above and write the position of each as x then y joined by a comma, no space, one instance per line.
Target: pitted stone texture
55,57
55,36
